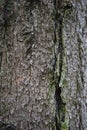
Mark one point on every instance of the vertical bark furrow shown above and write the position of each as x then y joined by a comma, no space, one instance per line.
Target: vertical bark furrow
58,64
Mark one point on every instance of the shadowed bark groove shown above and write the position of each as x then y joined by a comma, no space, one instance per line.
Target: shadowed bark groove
58,64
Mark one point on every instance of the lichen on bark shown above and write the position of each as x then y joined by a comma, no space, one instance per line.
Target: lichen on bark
59,66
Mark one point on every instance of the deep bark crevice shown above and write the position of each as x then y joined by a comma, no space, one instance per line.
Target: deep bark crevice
60,117
58,29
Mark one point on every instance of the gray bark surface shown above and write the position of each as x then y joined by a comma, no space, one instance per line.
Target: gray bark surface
43,65
25,67
76,67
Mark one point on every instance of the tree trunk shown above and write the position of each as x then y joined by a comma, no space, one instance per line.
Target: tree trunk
43,65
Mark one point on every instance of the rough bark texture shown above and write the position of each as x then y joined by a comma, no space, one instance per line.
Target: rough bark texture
43,65
76,66
25,64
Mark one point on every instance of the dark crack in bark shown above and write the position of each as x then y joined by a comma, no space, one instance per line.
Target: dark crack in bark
58,30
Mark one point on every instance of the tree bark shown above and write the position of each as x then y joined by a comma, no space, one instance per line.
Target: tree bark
43,65
76,66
